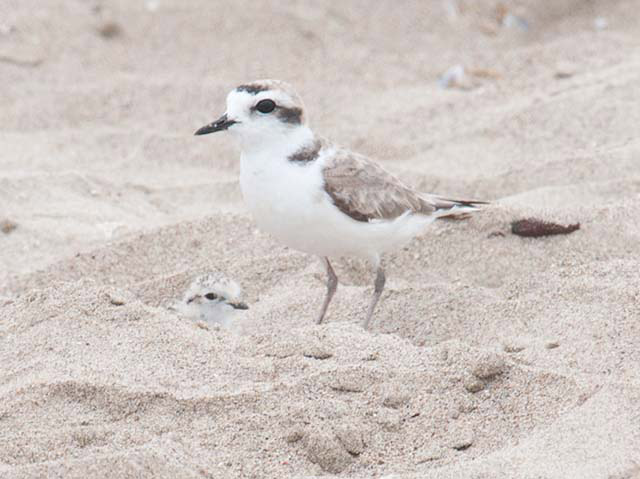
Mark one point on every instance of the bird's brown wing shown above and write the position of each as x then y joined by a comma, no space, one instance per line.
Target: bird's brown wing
365,191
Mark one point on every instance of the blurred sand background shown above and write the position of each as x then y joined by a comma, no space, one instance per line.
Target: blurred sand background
491,356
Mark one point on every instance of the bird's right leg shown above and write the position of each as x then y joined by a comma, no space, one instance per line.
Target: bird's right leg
332,285
377,292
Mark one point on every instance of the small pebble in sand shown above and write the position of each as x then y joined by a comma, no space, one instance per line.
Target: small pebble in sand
535,228
473,385
324,449
552,344
116,299
395,399
455,77
488,366
316,352
466,405
562,75
564,70
7,226
294,435
513,346
351,438
202,325
463,440
109,29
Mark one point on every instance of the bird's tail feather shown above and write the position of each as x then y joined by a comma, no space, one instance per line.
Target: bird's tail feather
455,209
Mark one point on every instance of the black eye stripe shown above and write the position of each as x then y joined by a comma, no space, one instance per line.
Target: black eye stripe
291,115
265,106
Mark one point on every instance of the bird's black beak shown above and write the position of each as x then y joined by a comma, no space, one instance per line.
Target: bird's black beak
220,124
193,298
239,305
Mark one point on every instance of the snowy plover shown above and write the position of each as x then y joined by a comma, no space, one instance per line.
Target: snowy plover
211,298
315,196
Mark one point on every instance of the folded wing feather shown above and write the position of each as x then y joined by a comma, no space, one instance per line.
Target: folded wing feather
365,191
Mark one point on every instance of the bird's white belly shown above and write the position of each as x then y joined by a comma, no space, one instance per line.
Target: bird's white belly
285,203
289,202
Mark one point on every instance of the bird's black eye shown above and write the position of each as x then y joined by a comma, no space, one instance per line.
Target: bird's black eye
266,106
211,296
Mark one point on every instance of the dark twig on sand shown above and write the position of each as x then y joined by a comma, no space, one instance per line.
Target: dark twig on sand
535,228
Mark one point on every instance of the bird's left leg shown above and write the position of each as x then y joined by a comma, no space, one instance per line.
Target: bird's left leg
332,285
377,292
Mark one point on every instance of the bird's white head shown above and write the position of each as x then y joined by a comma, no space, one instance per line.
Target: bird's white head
263,114
212,298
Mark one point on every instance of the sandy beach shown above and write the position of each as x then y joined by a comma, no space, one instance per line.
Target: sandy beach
491,355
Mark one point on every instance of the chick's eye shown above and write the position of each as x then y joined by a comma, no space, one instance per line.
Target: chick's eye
211,296
266,106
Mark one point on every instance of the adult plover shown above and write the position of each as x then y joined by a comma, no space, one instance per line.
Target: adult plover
315,196
212,298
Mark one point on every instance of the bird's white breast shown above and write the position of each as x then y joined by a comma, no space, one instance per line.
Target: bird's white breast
287,200
284,197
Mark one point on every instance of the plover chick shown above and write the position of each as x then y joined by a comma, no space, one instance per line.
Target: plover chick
212,298
318,197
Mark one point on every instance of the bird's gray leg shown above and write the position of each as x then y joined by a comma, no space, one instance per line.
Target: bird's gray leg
332,285
377,292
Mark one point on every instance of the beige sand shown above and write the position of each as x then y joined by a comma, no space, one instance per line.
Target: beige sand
492,356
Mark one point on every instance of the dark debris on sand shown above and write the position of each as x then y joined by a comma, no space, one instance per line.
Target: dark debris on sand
535,228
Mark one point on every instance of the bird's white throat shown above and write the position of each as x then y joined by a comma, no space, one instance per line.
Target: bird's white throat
276,141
